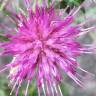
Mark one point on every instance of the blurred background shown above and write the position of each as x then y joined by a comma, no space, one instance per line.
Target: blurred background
87,62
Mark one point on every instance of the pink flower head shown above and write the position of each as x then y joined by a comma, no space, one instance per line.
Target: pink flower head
43,47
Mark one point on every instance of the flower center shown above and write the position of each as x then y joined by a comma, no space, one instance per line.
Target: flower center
39,43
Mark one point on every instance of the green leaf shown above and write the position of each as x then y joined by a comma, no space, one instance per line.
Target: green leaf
64,89
71,4
3,38
33,89
64,3
75,2
2,93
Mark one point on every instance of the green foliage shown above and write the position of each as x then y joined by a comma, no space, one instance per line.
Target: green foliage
75,2
64,3
3,38
2,93
64,89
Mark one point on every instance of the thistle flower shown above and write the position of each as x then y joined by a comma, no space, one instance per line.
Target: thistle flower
43,47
